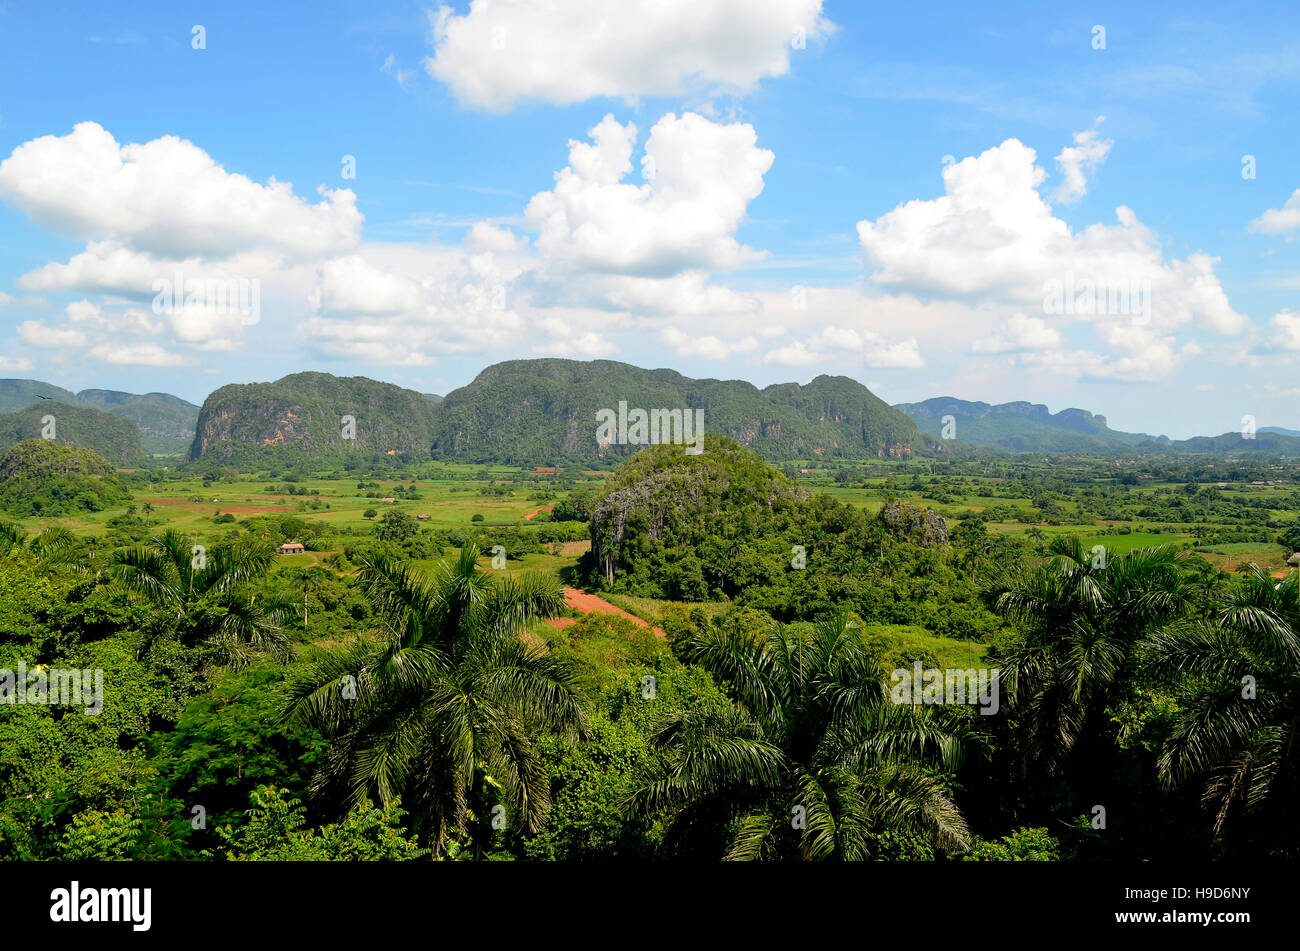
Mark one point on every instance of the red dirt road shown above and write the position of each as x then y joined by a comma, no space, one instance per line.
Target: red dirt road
587,603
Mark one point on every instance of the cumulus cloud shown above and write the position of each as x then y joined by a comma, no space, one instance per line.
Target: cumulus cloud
1279,220
699,179
505,52
484,236
1018,333
706,346
139,354
1076,162
794,354
39,335
1285,331
14,364
992,240
167,197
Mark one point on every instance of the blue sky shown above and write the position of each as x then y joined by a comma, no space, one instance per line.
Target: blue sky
889,193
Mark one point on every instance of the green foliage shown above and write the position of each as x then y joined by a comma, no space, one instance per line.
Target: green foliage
298,419
395,526
543,412
42,477
273,831
116,439
448,663
100,836
1023,845
726,525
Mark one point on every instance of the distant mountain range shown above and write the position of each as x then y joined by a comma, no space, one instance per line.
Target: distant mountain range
544,412
1024,427
166,423
1032,427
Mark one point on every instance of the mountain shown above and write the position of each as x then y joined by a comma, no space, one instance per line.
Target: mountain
166,422
157,414
19,394
1270,440
1022,426
41,477
305,415
544,412
114,438
1279,430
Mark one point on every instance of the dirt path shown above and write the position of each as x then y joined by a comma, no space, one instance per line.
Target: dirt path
529,517
587,603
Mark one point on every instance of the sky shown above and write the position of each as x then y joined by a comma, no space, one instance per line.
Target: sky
1087,206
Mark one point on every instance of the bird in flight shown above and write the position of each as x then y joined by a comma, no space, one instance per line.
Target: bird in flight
39,397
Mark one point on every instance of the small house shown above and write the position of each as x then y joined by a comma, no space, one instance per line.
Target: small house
421,518
292,548
390,500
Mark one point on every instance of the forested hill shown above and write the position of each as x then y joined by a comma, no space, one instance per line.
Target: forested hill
166,422
303,416
537,412
1024,427
114,438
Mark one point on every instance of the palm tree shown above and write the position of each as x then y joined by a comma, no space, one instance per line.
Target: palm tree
447,701
56,547
1237,737
204,592
1082,619
808,760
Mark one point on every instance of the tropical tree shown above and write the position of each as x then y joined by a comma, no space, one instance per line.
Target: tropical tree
205,591
55,547
444,706
810,758
1237,730
1082,614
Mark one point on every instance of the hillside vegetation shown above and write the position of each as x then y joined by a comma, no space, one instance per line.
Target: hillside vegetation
114,438
302,417
544,412
39,477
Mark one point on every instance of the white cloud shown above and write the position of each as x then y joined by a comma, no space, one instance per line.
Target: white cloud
167,197
705,346
1077,161
1286,331
505,52
1017,333
992,240
353,285
140,354
795,354
14,364
901,354
1279,220
484,236
700,177
38,335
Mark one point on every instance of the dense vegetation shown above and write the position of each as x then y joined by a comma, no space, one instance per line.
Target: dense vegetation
543,412
42,477
114,438
249,425
399,693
